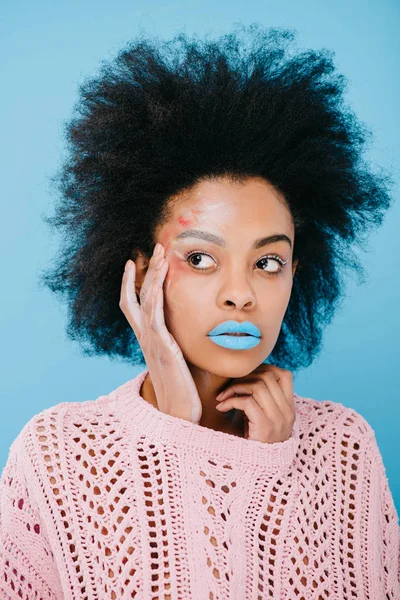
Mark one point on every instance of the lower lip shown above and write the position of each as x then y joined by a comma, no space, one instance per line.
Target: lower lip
235,342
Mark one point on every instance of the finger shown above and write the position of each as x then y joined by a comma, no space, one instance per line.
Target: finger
128,301
276,392
247,404
242,387
150,328
236,388
285,380
147,289
262,396
157,314
158,318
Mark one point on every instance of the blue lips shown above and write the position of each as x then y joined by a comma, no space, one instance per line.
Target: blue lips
235,342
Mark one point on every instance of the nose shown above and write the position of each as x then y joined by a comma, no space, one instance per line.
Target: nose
238,293
239,303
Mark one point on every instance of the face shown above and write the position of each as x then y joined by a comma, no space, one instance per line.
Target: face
226,273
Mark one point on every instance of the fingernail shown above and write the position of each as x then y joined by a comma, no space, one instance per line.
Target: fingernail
220,395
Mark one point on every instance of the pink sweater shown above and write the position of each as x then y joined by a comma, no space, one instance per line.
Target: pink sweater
111,499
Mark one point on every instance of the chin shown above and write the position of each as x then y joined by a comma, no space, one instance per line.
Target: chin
228,366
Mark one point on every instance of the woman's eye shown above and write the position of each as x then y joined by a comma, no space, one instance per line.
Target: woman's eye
272,260
200,257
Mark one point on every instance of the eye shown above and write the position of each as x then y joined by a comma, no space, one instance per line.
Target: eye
189,255
201,256
275,258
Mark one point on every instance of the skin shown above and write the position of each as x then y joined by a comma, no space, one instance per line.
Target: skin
231,283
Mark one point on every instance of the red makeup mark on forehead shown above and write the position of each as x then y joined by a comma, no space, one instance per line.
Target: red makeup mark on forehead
184,222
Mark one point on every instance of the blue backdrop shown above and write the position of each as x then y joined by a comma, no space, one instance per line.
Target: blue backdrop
47,49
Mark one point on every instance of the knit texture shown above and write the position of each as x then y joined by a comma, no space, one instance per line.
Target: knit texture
113,499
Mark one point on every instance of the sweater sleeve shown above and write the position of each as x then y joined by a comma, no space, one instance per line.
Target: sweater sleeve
27,566
380,511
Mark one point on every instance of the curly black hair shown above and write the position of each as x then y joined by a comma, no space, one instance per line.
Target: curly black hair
164,115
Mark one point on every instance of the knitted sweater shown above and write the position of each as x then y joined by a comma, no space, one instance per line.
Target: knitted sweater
111,499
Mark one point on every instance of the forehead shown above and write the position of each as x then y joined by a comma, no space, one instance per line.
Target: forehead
250,203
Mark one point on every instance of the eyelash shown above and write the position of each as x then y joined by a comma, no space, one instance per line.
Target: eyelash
273,256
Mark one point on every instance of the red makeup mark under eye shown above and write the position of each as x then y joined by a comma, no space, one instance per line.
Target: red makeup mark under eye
177,267
184,222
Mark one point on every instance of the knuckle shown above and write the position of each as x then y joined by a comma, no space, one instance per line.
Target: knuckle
145,303
259,384
270,375
285,373
280,370
164,360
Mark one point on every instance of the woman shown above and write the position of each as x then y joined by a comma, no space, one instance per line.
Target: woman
210,201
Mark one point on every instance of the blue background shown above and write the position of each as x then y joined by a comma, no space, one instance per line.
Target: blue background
47,49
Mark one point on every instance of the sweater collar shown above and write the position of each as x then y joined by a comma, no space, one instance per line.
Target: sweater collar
144,420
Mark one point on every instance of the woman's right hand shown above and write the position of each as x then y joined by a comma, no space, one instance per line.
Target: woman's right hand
174,387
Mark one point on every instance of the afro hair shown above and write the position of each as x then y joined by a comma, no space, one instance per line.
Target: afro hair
164,115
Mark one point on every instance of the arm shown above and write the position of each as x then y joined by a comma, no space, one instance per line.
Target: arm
27,567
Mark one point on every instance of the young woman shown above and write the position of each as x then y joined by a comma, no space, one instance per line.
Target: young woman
210,201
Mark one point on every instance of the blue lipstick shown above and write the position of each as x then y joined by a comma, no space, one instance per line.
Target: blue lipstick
220,335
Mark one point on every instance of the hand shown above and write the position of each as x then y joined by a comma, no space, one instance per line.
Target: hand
267,401
174,387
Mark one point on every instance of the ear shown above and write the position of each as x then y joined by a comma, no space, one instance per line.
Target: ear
141,266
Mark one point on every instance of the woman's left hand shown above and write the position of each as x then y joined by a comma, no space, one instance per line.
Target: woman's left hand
267,401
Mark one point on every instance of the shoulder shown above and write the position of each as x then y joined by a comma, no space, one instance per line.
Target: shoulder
40,450
51,421
333,417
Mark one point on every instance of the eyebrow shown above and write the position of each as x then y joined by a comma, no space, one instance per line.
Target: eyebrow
215,239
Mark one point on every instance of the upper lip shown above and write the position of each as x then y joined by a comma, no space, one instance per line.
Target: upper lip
236,327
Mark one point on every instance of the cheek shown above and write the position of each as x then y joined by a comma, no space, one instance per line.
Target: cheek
184,294
180,279
274,298
174,278
284,298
